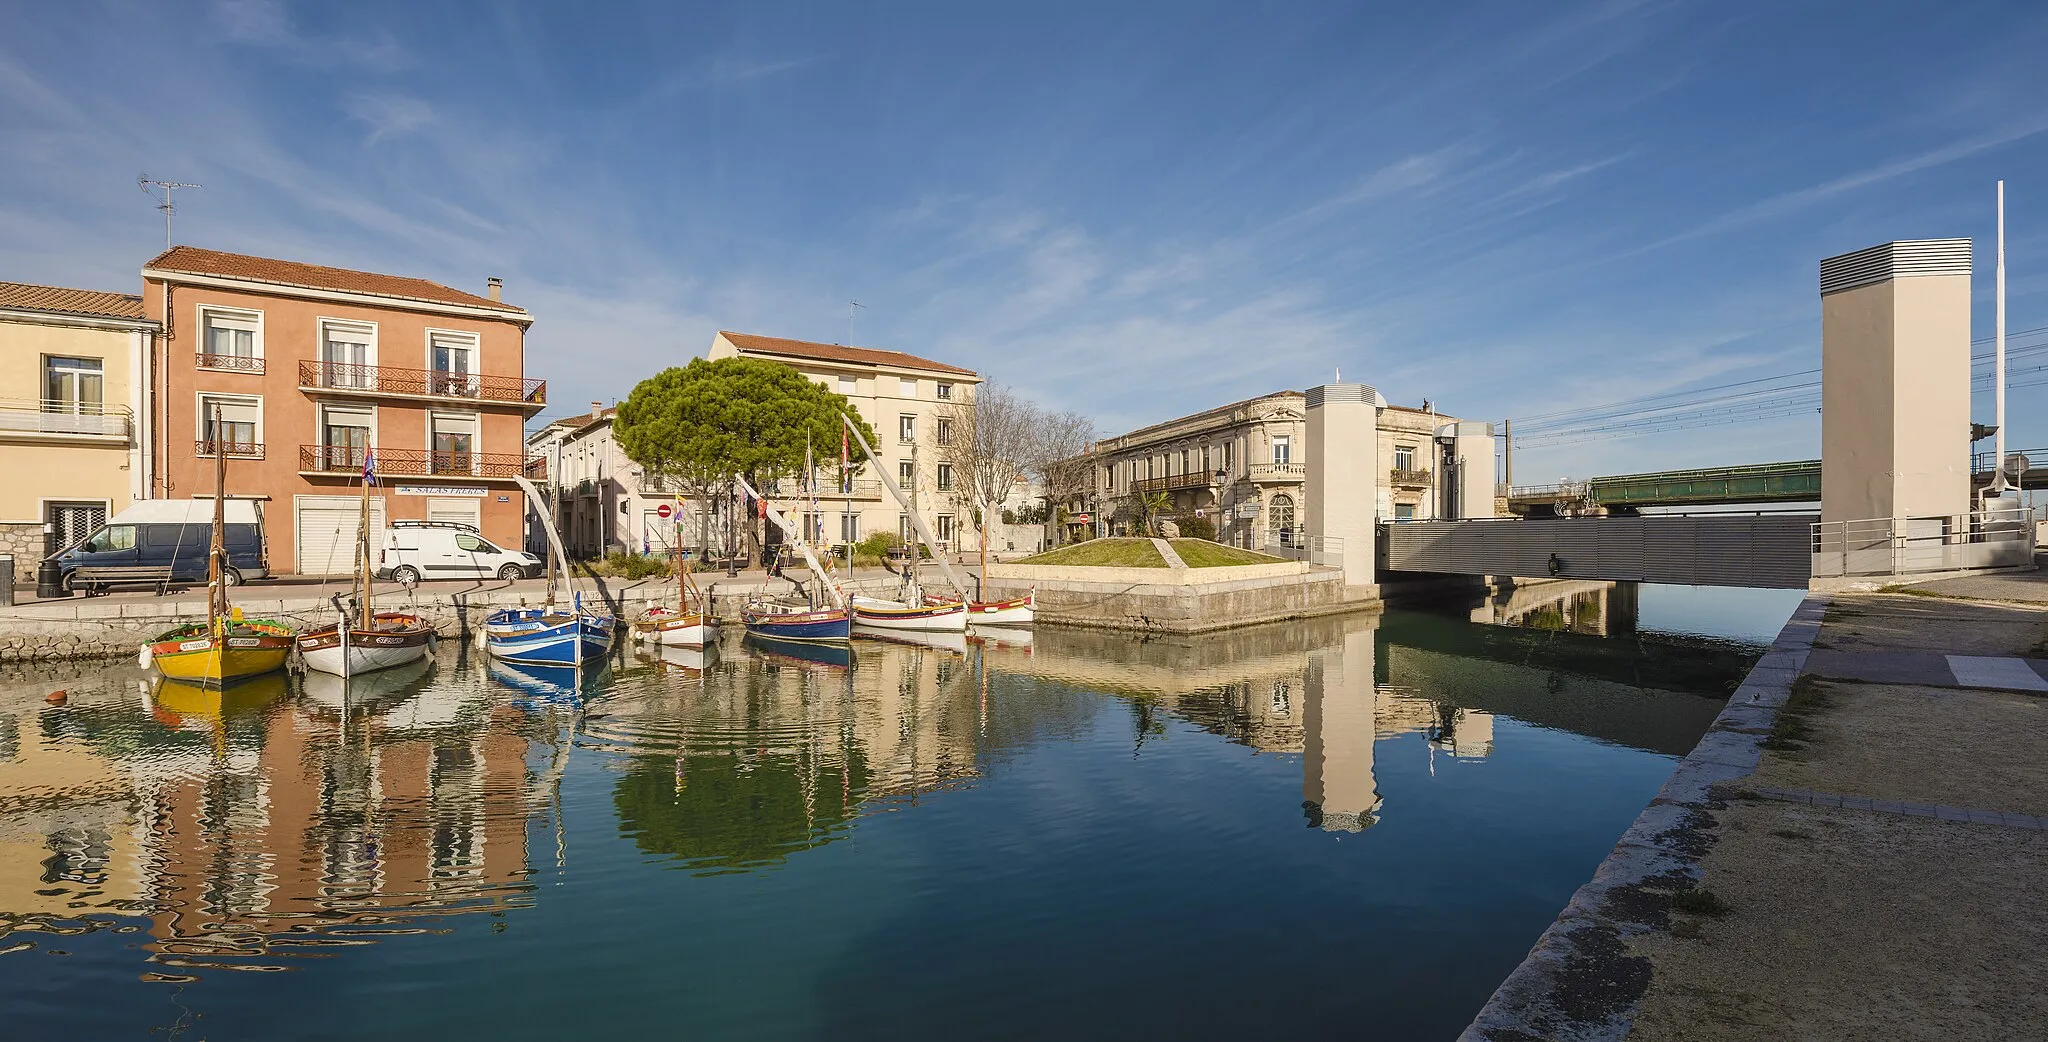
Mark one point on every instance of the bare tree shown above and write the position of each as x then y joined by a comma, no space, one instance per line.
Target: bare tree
989,440
1062,459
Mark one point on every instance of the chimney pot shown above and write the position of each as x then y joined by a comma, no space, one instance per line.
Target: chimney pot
595,409
497,287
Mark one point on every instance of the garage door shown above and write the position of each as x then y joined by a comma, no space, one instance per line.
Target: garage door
325,532
461,511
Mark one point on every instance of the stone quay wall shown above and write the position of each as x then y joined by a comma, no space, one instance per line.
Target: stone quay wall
1179,600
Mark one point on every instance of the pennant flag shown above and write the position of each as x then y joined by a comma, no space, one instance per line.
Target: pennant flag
369,466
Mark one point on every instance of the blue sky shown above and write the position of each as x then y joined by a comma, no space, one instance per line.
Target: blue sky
1133,210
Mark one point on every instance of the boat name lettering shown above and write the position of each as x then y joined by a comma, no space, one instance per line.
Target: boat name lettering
194,645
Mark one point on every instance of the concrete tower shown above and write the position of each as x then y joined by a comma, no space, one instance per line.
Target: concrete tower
1340,489
1895,384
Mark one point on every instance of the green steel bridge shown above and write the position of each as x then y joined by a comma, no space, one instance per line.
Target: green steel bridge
1794,482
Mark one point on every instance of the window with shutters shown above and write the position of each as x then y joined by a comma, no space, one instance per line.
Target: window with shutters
454,442
230,424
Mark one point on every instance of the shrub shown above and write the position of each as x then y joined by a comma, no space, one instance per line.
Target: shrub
1198,528
626,566
877,544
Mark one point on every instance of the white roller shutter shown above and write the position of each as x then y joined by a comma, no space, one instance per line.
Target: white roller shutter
325,529
462,511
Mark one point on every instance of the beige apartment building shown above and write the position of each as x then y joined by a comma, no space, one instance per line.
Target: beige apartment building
904,398
70,392
1235,473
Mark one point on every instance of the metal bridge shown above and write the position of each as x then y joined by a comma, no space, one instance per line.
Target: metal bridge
1794,482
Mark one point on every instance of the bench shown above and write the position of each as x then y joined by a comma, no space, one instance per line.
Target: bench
90,579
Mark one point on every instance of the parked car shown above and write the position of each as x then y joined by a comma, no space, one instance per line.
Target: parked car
164,541
416,550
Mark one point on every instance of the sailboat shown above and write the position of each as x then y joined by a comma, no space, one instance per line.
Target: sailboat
226,647
810,622
373,640
547,635
915,610
680,627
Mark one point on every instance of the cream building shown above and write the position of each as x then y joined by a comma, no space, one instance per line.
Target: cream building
71,386
1236,473
904,398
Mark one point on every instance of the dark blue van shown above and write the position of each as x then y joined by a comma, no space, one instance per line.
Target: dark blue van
165,540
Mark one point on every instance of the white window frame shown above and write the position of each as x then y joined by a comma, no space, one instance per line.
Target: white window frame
476,445
945,530
203,316
1409,451
906,428
906,474
849,526
945,391
943,432
199,400
1283,450
849,385
944,476
473,342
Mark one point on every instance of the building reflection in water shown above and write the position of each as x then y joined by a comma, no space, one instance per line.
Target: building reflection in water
1591,607
251,826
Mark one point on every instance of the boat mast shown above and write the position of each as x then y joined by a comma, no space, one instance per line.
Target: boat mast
781,522
217,595
363,610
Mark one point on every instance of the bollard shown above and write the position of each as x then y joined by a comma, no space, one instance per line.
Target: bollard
50,580
6,580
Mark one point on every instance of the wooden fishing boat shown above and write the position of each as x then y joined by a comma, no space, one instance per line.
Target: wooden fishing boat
226,647
368,641
1017,611
543,636
934,615
796,622
678,627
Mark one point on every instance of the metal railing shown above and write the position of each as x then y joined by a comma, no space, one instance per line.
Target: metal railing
1278,471
39,416
1408,478
230,363
234,449
1911,545
348,459
1326,551
426,383
1172,482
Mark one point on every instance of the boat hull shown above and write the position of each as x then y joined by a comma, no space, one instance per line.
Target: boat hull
837,654
394,640
830,624
196,656
946,617
685,630
540,637
1019,611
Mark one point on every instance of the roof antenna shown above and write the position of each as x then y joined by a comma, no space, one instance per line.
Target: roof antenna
165,204
852,308
1340,374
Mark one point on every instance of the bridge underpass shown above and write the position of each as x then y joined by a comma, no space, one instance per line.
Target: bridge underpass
1770,551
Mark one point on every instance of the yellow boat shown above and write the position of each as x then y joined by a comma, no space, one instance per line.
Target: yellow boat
184,701
226,647
203,653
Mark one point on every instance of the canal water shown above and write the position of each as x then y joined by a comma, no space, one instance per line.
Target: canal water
1348,826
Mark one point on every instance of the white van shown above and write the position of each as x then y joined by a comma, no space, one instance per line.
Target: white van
415,550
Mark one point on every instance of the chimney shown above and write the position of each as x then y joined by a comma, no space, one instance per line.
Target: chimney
497,287
596,409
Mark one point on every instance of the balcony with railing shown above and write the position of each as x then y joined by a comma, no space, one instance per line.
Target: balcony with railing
373,381
1174,482
1279,471
230,363
35,418
207,449
1401,478
347,460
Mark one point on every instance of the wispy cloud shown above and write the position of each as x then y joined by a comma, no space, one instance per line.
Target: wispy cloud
741,70
389,115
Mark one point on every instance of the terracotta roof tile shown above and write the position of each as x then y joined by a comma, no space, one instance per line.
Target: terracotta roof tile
58,300
771,345
192,260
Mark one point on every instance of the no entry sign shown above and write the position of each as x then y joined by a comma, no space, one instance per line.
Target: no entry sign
664,511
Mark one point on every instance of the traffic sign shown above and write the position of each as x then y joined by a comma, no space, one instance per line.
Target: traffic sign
664,511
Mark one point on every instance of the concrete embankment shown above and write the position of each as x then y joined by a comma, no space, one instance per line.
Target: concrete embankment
1858,847
1176,598
103,627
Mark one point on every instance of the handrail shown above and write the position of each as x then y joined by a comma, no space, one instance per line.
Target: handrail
54,416
348,459
431,383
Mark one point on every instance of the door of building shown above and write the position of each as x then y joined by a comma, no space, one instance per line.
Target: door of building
70,522
324,531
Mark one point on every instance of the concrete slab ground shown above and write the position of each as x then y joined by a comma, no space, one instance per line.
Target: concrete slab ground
1866,859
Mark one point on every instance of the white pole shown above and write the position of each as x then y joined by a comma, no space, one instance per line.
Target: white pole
1998,460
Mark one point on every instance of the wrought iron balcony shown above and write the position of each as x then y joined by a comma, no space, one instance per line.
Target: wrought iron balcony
32,416
230,363
420,383
234,449
1408,478
1172,482
418,463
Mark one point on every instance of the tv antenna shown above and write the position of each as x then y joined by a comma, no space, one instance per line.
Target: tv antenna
852,308
164,202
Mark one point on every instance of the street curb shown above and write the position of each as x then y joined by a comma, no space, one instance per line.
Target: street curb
1579,983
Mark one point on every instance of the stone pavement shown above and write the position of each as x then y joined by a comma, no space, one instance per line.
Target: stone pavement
1856,850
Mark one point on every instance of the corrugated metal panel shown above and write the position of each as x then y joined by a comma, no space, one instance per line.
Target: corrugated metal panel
1701,551
1887,261
1361,393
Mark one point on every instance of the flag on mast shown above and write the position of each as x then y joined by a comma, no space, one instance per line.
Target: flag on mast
369,466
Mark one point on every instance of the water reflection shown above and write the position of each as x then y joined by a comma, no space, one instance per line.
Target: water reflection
251,830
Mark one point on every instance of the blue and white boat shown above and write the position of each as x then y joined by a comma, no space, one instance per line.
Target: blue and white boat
548,637
791,622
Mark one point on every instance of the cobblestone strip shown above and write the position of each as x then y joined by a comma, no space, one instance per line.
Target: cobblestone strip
1580,982
1906,807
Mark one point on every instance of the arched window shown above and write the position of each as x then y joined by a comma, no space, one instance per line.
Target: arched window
1280,518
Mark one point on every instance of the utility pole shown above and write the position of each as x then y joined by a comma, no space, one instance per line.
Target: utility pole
169,208
1998,451
1507,437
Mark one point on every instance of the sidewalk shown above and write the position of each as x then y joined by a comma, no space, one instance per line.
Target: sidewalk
1857,850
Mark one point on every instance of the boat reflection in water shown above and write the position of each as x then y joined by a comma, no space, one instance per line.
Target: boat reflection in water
1053,785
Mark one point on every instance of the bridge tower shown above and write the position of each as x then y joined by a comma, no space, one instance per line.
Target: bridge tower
1342,483
1895,381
